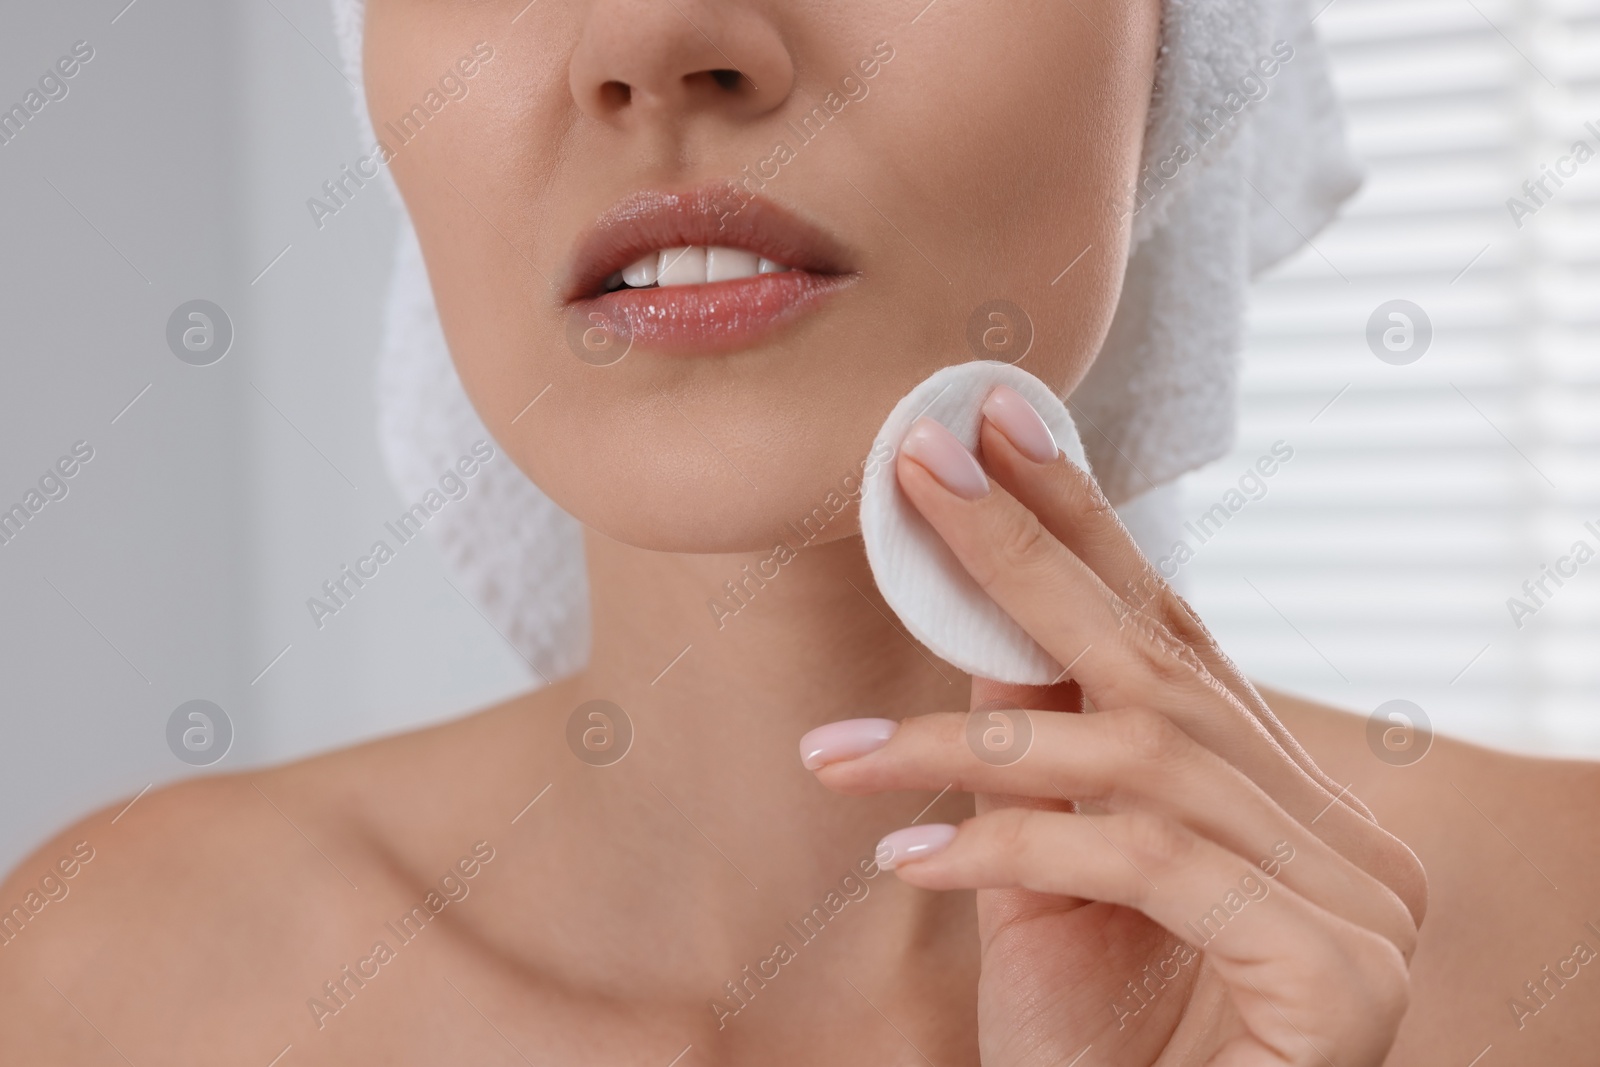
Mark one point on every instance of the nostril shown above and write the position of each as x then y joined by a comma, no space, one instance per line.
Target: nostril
709,87
638,63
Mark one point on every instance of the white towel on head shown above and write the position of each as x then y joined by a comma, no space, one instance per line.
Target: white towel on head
1264,167
514,552
1267,169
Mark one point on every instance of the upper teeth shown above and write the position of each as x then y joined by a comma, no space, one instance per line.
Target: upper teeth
695,265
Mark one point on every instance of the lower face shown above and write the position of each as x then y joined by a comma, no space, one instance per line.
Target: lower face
942,183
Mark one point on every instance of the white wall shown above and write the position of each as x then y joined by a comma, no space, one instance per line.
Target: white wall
407,649
190,542
149,545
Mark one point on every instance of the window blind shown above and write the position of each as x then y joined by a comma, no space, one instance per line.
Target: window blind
1425,498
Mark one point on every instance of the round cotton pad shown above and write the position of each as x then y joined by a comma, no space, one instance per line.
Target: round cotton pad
919,576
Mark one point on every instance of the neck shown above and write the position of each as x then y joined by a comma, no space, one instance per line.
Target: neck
719,690
764,645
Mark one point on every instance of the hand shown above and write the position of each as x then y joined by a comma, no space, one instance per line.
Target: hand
1168,879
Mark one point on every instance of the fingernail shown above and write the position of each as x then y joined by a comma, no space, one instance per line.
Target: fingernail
844,740
913,843
946,458
1020,422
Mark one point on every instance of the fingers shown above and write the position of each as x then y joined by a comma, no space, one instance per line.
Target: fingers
1070,505
1051,593
1121,657
1298,974
1124,761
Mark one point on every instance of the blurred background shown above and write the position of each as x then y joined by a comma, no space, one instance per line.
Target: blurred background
1438,461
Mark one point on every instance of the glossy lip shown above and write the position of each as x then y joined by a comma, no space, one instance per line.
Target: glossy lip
716,316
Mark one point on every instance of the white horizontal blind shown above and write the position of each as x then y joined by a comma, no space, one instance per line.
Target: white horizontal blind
1379,561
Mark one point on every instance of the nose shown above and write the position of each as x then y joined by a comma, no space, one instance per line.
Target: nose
643,61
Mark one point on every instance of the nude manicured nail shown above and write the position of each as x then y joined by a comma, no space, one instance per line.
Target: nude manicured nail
1020,422
946,458
913,843
844,740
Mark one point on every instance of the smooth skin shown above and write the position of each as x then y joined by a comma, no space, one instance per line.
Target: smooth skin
621,901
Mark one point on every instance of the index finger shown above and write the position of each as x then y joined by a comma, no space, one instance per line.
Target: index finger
1069,504
1120,659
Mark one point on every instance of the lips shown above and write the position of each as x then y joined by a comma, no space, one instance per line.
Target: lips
680,312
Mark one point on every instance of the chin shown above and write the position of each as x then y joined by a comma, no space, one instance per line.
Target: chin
721,515
666,488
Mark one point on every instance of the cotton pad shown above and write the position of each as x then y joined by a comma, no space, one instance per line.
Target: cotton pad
919,576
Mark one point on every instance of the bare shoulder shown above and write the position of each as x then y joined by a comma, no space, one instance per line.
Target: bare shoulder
157,891
183,918
1510,949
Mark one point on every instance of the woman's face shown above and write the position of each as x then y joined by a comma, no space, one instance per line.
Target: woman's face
912,162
